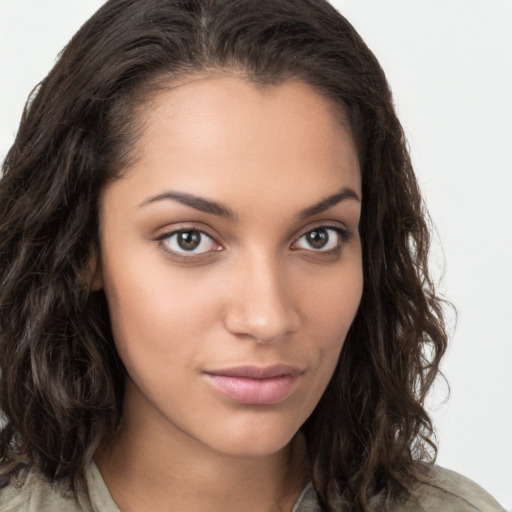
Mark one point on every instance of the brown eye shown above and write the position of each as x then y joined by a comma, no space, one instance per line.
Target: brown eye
318,238
188,241
322,239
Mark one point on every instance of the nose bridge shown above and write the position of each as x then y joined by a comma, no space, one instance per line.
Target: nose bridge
263,305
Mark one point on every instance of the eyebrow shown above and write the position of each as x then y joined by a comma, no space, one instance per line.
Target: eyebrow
343,194
196,202
215,208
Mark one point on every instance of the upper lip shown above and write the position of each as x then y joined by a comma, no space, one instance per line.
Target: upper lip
257,372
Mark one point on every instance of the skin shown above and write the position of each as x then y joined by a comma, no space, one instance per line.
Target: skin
255,292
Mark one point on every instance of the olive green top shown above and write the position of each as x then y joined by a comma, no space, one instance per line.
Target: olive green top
445,491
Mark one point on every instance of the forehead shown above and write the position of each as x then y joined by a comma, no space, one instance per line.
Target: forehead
226,136
234,100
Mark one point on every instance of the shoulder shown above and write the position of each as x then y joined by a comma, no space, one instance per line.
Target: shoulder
446,491
29,491
439,490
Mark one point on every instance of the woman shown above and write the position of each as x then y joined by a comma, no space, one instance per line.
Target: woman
214,285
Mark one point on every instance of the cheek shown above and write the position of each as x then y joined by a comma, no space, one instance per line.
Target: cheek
154,311
331,308
332,304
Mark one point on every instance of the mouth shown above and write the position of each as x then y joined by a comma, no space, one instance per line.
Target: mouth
253,385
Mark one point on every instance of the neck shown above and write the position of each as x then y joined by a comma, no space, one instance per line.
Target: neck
167,470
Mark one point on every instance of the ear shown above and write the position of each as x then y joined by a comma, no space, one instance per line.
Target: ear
97,280
94,272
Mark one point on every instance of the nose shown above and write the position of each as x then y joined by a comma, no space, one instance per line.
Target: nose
262,305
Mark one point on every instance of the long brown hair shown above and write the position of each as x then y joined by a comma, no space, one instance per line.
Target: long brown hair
61,382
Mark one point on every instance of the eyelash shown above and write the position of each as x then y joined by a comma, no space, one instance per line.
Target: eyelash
186,255
343,234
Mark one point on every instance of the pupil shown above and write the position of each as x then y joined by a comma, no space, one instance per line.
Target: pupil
189,240
318,238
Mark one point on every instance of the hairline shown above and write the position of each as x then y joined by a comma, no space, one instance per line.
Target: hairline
145,95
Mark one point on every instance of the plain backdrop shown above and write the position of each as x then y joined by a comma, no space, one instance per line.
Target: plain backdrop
449,63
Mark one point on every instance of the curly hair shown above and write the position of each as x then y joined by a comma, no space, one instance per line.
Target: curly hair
61,381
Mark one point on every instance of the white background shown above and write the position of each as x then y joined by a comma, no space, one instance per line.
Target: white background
449,63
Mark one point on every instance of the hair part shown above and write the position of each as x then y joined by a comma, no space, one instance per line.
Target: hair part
61,381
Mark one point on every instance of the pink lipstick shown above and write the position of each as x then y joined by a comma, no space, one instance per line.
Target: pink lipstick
252,385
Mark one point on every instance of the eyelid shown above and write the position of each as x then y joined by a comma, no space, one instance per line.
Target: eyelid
343,232
186,255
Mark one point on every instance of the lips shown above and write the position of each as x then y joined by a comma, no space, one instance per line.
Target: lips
252,385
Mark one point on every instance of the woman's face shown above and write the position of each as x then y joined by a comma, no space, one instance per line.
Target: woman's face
231,261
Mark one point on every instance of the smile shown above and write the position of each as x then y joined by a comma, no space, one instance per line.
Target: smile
251,385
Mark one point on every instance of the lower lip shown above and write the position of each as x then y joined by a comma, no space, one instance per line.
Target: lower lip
249,391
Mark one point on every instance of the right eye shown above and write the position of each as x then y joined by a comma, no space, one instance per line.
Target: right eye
188,242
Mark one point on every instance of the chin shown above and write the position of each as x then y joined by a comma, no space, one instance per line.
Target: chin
253,448
260,438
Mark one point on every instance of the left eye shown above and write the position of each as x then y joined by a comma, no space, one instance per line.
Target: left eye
189,241
320,239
